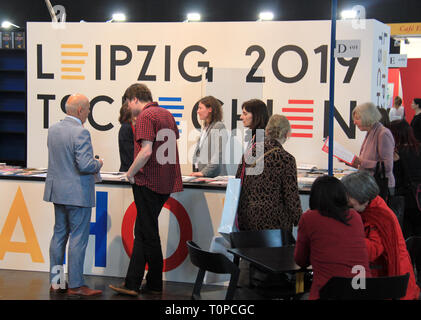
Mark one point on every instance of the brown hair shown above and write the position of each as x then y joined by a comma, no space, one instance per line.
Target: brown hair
139,91
404,135
259,111
212,102
398,101
125,114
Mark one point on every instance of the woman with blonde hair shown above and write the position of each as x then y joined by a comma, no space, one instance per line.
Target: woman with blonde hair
269,196
378,144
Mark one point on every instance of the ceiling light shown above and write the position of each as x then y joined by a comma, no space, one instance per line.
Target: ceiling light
264,16
8,24
349,14
193,16
119,17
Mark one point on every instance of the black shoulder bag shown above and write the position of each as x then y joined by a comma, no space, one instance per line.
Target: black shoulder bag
382,180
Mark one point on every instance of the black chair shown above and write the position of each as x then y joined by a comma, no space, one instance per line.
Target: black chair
266,284
413,245
380,288
213,262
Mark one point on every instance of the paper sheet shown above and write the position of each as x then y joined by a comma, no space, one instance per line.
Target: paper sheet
339,152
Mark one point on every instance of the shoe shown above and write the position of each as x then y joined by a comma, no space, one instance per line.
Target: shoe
122,289
146,290
58,290
83,291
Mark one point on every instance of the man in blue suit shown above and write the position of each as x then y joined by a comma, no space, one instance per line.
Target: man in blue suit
70,185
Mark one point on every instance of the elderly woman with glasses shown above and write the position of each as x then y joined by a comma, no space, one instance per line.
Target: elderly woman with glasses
385,243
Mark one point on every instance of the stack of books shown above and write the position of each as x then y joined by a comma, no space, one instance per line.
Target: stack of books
12,39
6,170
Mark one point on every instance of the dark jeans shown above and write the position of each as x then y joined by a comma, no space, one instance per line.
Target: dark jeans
147,244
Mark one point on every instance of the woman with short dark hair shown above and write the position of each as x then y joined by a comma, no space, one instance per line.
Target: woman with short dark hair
330,235
385,243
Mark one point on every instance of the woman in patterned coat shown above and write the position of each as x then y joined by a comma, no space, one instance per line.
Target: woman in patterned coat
269,196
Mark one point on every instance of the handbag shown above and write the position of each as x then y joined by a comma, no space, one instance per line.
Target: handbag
229,213
382,181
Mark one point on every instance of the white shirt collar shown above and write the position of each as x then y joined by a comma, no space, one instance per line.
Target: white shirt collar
77,119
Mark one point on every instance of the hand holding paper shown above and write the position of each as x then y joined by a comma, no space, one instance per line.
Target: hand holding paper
340,152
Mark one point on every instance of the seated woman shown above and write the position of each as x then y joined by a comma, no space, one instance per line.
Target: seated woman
207,156
407,172
330,235
269,196
386,246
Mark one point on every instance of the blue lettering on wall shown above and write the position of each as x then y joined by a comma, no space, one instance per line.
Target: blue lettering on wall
99,229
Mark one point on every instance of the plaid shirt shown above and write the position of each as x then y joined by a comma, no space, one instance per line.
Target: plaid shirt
160,178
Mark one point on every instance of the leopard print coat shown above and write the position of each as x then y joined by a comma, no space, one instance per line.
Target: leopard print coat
269,196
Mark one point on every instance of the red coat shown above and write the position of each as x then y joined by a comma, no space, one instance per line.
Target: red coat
386,245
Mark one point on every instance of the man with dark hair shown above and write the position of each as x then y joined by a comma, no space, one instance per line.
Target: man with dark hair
153,180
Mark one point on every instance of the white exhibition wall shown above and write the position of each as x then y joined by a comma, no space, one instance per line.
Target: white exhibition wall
26,228
286,64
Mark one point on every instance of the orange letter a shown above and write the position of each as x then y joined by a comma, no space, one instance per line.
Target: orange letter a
17,211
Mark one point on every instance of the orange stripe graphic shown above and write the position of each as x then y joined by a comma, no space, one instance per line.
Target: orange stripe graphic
74,54
71,69
73,77
73,61
71,46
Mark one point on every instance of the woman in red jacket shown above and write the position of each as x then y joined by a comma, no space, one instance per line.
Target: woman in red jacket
385,243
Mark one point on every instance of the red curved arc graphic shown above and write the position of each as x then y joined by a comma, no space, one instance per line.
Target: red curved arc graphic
186,232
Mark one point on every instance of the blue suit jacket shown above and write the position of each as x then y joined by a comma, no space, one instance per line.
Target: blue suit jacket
71,165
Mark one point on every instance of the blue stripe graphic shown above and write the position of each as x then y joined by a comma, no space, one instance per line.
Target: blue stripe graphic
174,99
172,107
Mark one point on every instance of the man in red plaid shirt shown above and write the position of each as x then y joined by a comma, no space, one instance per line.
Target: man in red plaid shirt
154,175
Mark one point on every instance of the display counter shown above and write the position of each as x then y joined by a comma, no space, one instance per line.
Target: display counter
26,226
